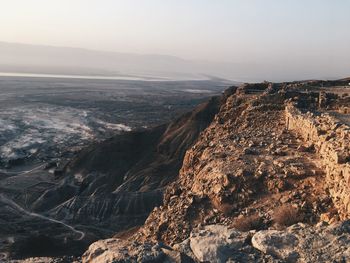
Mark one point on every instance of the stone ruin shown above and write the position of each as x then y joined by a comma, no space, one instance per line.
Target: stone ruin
331,140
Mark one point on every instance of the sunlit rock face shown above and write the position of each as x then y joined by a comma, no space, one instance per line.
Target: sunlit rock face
258,166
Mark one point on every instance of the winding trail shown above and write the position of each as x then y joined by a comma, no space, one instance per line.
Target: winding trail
23,172
10,202
32,170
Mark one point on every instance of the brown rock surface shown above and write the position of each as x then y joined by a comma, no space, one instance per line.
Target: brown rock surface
244,163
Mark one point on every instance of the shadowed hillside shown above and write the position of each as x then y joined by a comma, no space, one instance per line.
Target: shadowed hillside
116,183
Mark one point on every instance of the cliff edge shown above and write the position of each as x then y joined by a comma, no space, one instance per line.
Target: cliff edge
266,181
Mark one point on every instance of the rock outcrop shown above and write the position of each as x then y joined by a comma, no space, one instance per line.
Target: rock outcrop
244,164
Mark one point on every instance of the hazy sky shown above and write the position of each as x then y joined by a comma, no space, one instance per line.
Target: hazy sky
222,30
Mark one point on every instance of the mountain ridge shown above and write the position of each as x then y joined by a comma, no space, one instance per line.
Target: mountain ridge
23,58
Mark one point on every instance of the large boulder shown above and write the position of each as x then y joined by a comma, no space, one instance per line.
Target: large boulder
277,243
216,243
115,250
303,243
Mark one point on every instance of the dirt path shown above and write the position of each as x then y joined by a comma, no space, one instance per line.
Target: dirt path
11,203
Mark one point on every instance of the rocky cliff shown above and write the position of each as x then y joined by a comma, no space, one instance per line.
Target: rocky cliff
259,167
264,179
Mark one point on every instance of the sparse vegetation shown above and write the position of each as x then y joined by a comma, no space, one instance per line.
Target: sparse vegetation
225,208
287,215
246,223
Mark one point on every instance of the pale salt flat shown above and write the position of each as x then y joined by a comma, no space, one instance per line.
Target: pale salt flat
29,129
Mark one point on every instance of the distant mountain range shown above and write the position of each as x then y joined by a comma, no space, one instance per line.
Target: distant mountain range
26,58
42,59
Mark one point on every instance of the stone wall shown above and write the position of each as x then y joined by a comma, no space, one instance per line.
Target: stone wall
331,140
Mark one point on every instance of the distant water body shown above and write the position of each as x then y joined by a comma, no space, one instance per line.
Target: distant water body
121,77
35,75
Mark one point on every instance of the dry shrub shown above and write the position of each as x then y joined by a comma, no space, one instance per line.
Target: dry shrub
223,207
287,215
246,223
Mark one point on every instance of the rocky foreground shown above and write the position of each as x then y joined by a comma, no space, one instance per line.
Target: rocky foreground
218,243
266,181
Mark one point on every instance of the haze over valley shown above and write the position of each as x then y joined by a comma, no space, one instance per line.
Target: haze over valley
42,59
185,131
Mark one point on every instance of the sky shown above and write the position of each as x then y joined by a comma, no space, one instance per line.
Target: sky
299,33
